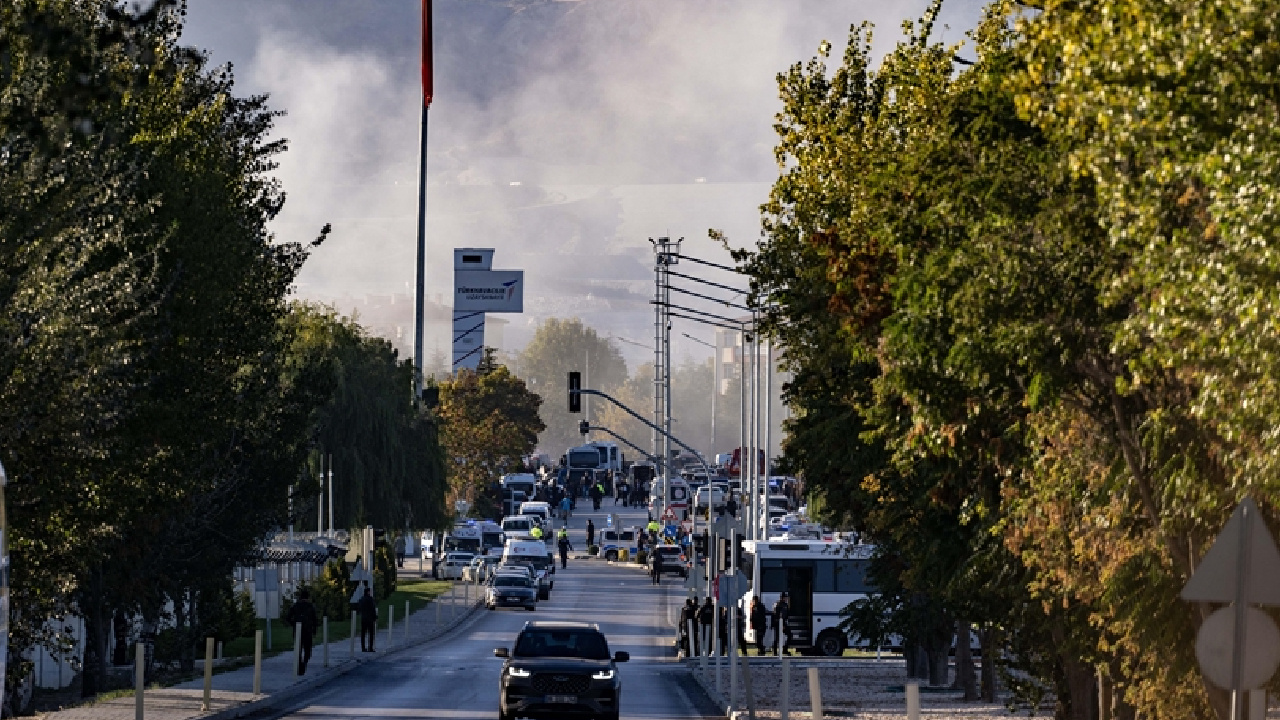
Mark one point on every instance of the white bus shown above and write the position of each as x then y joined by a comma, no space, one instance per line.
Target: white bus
820,578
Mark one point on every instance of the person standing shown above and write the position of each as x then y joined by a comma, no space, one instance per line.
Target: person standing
706,614
655,567
368,611
781,611
566,507
688,618
742,632
302,618
591,533
731,506
758,623
562,540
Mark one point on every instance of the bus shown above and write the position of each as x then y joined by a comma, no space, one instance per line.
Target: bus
517,488
820,578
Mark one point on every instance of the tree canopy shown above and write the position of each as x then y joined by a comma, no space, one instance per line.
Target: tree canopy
1036,287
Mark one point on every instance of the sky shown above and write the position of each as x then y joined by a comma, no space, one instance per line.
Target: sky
563,133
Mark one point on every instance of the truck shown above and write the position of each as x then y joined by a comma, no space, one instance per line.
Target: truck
517,488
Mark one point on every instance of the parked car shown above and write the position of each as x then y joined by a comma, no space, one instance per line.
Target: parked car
453,565
559,670
480,568
673,560
509,588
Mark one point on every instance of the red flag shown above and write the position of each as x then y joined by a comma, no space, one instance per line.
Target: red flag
427,83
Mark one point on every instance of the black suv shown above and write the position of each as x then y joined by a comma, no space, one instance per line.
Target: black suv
557,670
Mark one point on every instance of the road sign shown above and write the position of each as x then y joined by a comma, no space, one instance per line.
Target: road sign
730,587
1215,648
1238,646
1215,580
670,514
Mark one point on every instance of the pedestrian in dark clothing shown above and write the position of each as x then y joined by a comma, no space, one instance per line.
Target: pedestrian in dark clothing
781,611
656,568
562,539
368,611
759,624
591,533
731,507
302,617
723,629
688,624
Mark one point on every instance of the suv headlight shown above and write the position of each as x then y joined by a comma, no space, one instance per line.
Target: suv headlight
518,672
603,675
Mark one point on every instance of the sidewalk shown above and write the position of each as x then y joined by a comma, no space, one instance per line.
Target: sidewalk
232,695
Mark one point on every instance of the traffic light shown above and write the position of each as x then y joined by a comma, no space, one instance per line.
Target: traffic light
575,384
584,427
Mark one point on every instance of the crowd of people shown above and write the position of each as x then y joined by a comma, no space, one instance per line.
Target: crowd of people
769,628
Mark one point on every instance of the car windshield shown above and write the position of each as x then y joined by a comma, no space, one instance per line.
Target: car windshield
511,581
588,644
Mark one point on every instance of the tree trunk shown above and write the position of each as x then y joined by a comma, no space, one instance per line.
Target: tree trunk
939,667
917,661
1106,691
966,679
988,638
120,654
1082,702
94,674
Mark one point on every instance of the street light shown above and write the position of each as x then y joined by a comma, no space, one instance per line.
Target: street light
715,390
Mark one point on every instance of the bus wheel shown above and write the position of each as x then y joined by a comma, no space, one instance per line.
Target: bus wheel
611,555
830,644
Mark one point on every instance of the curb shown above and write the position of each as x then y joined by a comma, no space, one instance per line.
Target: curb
709,687
272,701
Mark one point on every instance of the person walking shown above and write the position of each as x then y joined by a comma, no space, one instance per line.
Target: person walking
731,506
302,618
368,611
591,533
536,532
562,539
655,567
781,611
706,614
566,507
758,623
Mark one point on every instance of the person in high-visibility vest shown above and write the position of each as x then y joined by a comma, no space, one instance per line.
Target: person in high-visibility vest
536,532
653,528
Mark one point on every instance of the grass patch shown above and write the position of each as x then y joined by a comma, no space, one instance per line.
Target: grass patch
419,594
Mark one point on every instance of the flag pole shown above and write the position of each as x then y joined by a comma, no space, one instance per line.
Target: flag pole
421,265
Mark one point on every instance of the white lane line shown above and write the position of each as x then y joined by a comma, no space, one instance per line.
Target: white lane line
334,711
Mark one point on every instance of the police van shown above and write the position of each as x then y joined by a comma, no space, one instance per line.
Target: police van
534,553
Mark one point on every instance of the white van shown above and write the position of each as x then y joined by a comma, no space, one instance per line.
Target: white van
537,507
535,553
518,527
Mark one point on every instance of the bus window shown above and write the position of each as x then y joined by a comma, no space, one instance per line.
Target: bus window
773,577
824,576
851,576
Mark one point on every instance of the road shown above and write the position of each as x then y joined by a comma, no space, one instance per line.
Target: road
457,676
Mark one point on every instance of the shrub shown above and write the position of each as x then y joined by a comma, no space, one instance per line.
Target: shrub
642,557
593,549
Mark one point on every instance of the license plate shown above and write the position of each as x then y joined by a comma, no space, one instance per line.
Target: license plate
570,699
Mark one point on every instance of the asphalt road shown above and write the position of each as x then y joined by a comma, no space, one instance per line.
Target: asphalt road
457,675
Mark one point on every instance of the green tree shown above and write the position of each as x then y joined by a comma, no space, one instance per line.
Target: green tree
388,463
559,346
489,421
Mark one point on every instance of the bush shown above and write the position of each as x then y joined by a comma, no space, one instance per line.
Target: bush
384,572
642,557
593,549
